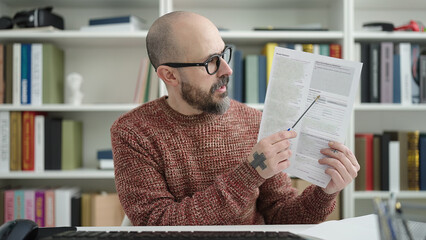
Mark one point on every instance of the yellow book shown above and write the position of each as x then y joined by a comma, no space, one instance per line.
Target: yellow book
308,48
413,160
268,51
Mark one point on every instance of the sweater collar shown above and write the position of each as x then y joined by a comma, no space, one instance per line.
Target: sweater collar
186,119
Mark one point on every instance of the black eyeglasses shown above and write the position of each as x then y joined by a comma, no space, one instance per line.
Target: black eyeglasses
212,64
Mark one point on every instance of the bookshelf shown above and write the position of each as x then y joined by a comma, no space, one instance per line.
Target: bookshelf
110,59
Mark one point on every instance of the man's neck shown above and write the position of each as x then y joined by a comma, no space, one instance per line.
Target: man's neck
182,107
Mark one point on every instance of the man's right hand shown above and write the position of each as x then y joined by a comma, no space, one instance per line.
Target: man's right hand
270,155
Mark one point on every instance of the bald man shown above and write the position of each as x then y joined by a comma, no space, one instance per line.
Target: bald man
192,157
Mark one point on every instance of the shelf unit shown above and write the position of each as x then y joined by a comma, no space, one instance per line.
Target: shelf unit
110,59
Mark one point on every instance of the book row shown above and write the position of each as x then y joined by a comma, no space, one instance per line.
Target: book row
391,161
31,73
35,141
249,80
60,207
393,72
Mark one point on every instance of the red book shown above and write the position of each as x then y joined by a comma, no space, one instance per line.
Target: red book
28,140
335,50
368,156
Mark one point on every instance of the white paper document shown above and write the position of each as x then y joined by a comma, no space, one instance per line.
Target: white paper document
296,79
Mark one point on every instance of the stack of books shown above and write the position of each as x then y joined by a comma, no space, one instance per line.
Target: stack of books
123,23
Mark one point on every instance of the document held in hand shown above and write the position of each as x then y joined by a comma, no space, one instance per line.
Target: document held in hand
296,79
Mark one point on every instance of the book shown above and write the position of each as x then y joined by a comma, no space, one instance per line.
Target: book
4,141
86,209
386,72
262,78
8,68
53,74
2,205
404,50
141,81
53,143
374,73
414,63
394,172
238,75
40,207
2,79
39,141
105,159
15,141
76,210
422,161
36,74
268,51
413,160
115,20
365,73
251,78
19,204
377,162
29,199
49,208
28,140
384,161
63,211
9,205
71,146
335,50
422,77
308,47
403,160
25,73
153,87
396,78
364,151
106,210
121,23
16,92
324,49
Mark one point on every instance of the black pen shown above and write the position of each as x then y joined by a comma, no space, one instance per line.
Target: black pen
304,112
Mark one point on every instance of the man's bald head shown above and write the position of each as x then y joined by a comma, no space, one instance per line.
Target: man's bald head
171,36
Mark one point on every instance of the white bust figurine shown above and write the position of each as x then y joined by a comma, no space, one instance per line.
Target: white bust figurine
73,93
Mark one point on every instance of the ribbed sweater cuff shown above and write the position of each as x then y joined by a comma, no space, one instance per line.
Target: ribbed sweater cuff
323,197
246,175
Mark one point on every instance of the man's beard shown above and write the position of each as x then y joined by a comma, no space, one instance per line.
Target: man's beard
205,101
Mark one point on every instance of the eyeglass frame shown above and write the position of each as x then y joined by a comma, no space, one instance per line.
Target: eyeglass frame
205,63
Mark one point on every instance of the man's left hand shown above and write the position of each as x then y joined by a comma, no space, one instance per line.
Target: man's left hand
343,164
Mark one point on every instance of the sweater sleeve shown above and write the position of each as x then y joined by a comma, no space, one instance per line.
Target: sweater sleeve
280,204
144,195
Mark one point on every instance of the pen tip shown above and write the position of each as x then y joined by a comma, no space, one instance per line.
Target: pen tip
317,97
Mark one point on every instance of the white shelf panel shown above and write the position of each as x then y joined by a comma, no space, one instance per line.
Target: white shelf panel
390,36
389,107
57,174
266,36
385,194
70,108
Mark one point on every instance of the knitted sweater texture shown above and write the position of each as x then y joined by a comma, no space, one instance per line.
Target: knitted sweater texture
173,169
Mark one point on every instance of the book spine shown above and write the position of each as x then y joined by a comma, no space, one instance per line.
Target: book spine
396,78
405,72
386,72
394,167
15,141
415,89
39,135
36,74
39,207
335,50
4,141
49,208
262,78
422,161
19,204
422,70
9,205
8,73
238,76
413,161
29,196
374,73
26,74
365,73
324,49
28,140
2,70
114,20
251,79
16,74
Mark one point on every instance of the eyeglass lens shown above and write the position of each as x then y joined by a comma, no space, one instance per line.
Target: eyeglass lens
214,64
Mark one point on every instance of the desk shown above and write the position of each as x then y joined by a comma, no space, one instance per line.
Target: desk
364,227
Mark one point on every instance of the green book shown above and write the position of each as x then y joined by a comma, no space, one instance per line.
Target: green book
53,74
72,144
252,79
324,49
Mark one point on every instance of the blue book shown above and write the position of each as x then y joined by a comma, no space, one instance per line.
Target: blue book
262,78
19,204
105,154
26,73
114,20
422,161
396,79
238,76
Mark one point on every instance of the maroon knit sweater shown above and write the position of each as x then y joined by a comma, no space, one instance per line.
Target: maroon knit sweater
172,169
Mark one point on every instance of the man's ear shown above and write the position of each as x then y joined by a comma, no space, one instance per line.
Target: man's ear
168,75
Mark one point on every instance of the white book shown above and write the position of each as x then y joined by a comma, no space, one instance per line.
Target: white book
405,73
394,166
4,141
106,164
316,49
29,199
16,74
357,58
63,197
36,74
298,47
39,143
